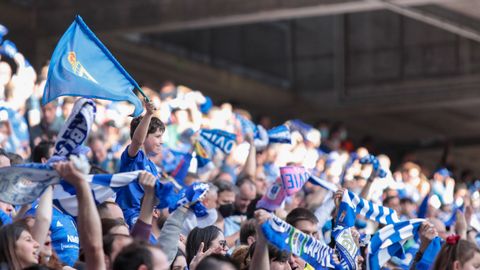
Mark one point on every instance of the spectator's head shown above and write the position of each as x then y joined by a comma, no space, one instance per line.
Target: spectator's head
180,261
457,255
248,232
114,226
42,151
96,142
408,206
67,106
141,256
15,159
210,200
112,245
4,160
109,209
153,142
18,249
216,261
304,220
49,112
210,236
278,259
392,202
225,197
247,192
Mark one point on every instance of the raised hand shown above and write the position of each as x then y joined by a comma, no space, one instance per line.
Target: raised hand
147,181
149,107
69,172
201,255
427,233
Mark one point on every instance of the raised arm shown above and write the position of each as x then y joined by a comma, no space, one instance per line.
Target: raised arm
43,216
89,226
260,259
143,226
141,131
250,166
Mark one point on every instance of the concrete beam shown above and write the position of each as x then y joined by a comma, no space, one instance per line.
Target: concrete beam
52,17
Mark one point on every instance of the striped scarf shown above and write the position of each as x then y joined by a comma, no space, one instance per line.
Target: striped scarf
388,242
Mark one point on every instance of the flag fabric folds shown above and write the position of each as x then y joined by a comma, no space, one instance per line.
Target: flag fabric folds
24,183
293,178
103,187
279,134
82,66
219,138
75,130
352,205
286,237
388,242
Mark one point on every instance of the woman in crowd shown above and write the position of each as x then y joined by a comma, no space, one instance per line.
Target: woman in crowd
18,249
203,242
457,254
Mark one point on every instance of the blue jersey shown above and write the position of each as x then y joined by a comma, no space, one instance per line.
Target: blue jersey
129,198
64,236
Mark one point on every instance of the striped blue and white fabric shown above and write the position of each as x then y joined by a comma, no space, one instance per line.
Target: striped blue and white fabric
103,186
353,205
388,242
322,183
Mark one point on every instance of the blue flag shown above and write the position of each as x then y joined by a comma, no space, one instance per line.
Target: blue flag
219,138
181,170
82,66
280,134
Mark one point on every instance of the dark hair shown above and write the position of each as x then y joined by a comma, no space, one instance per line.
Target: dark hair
38,267
14,158
244,180
109,223
277,255
155,124
3,153
215,261
108,241
42,150
406,200
247,229
132,256
197,236
180,253
274,254
9,235
224,185
299,214
387,200
462,251
103,207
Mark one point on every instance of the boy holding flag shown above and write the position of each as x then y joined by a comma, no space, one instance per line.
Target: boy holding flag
146,134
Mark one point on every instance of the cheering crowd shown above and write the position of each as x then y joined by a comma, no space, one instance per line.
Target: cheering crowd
209,189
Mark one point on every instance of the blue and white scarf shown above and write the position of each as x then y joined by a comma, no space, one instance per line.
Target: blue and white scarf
75,131
352,205
388,242
103,187
286,237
